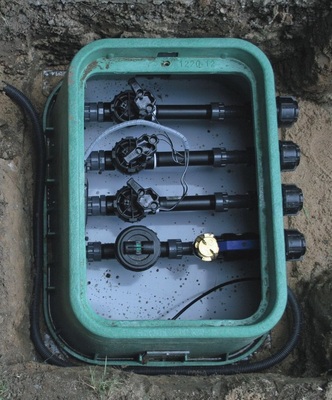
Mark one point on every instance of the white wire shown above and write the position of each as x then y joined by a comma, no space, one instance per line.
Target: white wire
165,130
136,122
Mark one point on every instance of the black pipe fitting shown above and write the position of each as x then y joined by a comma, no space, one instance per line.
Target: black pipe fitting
292,199
295,245
290,155
287,111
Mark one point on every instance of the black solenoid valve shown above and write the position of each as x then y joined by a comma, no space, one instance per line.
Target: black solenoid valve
133,202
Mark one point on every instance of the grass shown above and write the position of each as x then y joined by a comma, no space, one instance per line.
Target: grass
306,213
104,385
4,390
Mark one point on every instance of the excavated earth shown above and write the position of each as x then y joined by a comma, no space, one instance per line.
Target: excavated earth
42,35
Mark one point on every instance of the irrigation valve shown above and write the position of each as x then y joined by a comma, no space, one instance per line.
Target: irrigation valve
132,155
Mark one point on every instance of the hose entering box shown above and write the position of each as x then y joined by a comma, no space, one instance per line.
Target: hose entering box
38,225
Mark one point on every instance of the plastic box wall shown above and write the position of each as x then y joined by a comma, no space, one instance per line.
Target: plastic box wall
75,325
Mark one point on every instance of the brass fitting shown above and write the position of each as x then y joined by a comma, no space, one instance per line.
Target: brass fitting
206,247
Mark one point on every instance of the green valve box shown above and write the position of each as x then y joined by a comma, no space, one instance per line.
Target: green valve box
164,211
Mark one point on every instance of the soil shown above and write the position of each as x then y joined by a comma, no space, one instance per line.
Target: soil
39,35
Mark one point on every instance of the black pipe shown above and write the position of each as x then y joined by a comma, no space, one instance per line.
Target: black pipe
169,249
287,110
241,368
166,159
188,203
107,251
186,249
217,157
216,202
184,111
38,232
147,247
215,111
219,202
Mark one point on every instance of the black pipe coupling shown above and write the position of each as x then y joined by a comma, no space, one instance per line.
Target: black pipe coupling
287,111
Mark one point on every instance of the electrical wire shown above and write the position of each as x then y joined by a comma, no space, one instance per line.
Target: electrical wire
136,122
163,130
214,289
175,153
185,162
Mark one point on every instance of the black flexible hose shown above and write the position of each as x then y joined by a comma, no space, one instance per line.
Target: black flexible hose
38,229
237,368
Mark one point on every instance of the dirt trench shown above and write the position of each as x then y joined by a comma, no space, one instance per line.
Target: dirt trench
39,35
